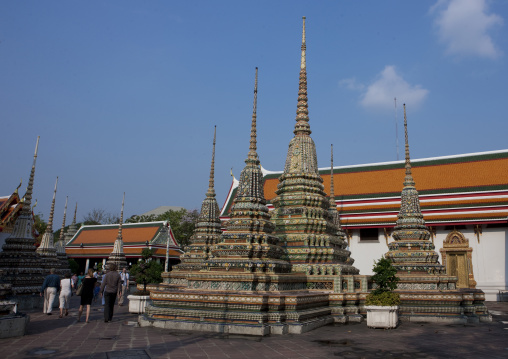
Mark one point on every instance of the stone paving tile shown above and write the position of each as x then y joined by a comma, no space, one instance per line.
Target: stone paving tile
51,337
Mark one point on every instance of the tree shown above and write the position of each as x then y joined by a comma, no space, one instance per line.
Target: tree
40,227
182,223
73,265
100,216
147,271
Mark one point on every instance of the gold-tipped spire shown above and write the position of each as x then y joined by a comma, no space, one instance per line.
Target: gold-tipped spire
211,189
408,180
49,227
63,223
27,198
121,219
253,156
304,46
302,127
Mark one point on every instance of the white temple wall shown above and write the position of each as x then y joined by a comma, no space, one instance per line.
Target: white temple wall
489,256
365,252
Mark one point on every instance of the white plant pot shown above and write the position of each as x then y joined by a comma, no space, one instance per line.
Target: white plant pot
137,303
382,317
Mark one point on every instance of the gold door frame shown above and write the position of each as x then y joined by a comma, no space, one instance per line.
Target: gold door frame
456,243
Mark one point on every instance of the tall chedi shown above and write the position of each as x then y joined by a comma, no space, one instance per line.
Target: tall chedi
246,286
19,261
47,250
60,246
427,292
249,244
118,256
302,209
207,231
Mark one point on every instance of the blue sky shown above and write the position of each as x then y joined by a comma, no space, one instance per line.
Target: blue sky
125,94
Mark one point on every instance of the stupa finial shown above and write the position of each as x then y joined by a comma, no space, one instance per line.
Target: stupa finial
75,212
211,189
121,220
333,205
408,180
253,156
27,198
304,46
49,227
302,112
63,223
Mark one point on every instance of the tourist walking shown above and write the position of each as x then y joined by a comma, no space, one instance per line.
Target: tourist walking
49,288
66,286
112,281
81,276
75,279
87,294
125,286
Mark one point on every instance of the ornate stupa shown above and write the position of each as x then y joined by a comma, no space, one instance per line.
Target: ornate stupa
47,250
249,245
73,228
246,287
118,256
412,251
19,260
207,231
60,246
302,209
427,292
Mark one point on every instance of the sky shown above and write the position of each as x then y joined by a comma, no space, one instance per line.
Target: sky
125,94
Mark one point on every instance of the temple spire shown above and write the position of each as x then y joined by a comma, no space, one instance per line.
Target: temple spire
75,212
47,247
333,205
63,223
302,126
27,198
211,189
49,227
303,65
119,236
408,180
253,156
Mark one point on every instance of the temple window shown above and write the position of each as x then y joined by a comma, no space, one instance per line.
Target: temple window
369,234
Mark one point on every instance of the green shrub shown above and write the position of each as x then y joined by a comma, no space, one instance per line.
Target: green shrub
147,271
383,299
386,280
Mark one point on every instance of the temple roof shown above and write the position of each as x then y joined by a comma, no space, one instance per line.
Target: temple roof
467,188
98,240
9,207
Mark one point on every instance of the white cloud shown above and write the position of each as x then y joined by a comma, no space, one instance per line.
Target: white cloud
463,26
351,84
389,84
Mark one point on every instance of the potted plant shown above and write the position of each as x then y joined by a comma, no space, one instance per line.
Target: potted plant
382,304
146,271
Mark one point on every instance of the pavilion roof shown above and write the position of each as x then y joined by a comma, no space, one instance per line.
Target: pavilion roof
98,240
467,188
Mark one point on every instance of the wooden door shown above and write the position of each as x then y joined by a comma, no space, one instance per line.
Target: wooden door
457,266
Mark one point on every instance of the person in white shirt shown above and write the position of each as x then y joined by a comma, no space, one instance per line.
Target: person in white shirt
66,286
125,286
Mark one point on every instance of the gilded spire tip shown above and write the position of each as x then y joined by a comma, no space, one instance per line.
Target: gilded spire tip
211,189
253,156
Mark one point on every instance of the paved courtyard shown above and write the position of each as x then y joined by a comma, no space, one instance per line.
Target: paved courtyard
51,337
